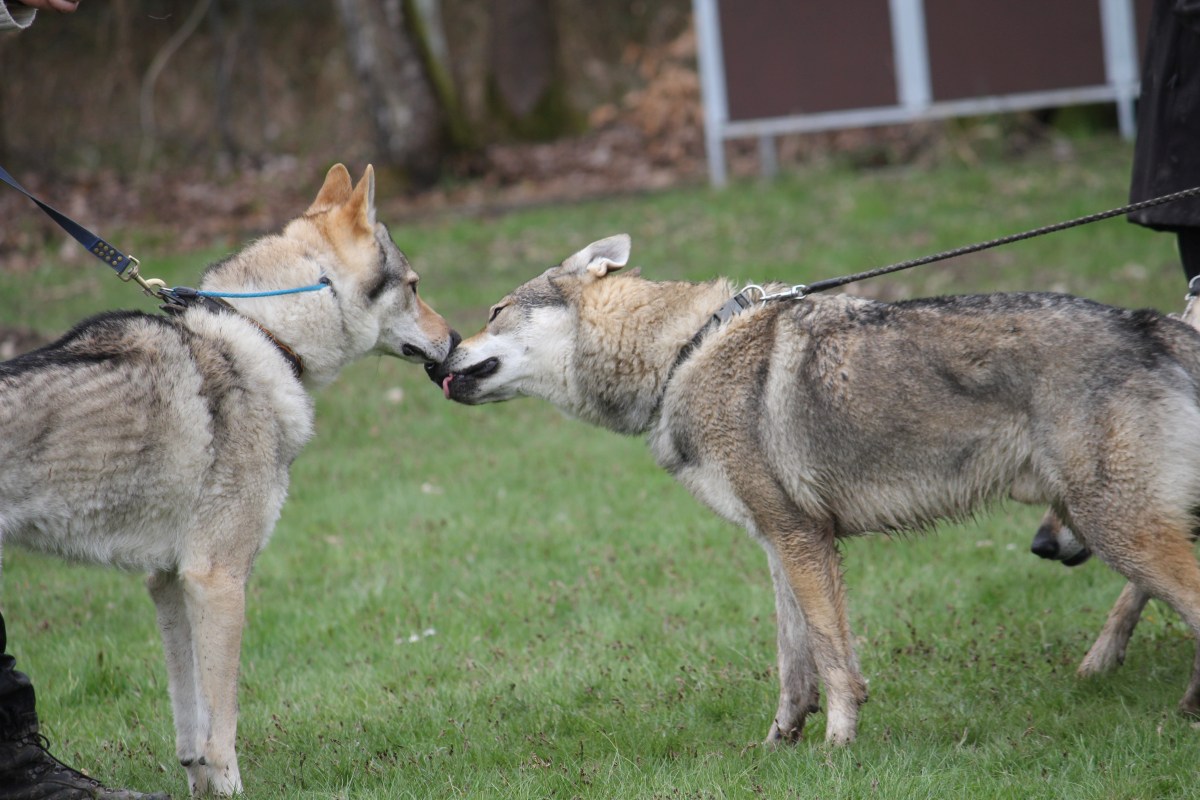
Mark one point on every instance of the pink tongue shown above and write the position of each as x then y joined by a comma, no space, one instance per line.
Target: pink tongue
446,385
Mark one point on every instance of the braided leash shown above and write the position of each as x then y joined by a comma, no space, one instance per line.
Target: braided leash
802,290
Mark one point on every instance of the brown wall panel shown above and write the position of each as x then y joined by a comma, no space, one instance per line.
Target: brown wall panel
985,49
785,57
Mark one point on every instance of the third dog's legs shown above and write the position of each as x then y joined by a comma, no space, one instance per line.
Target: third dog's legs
1108,652
798,681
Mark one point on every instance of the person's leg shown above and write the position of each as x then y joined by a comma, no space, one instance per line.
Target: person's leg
27,770
1188,240
17,717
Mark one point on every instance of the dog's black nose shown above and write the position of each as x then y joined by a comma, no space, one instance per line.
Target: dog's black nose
1044,543
434,369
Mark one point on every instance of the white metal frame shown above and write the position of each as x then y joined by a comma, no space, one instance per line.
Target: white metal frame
913,85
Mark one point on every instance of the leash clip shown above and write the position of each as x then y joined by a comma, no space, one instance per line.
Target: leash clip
153,287
796,292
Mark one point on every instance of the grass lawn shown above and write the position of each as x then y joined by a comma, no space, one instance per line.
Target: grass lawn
500,602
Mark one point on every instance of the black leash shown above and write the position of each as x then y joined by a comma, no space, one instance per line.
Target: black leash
125,266
177,299
833,283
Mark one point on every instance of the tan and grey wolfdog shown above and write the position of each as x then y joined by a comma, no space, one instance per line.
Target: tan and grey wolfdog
1056,541
806,421
163,443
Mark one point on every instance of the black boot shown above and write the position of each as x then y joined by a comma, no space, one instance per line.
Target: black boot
29,772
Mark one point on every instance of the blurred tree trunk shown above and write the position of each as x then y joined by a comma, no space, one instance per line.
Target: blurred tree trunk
396,86
228,148
527,91
146,112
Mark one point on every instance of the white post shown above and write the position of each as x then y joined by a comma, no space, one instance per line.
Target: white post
712,86
911,53
768,156
1117,26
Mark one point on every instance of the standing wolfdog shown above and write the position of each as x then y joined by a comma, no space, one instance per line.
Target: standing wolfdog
807,421
163,443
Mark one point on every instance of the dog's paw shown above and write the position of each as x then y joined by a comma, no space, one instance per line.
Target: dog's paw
224,781
840,738
1104,657
842,726
788,725
781,736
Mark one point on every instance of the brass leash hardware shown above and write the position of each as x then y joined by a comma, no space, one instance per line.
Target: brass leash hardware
151,286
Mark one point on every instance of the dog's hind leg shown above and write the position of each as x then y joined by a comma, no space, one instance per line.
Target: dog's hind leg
1108,651
191,721
798,682
1159,559
216,607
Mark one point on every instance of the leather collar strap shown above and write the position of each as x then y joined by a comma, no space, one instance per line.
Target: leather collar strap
180,299
734,306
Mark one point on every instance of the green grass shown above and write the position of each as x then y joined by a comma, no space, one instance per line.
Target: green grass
597,633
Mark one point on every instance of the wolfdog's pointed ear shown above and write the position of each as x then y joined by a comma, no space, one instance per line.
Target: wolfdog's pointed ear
602,257
360,207
334,191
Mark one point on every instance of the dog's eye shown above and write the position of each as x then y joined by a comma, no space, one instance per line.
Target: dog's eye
496,312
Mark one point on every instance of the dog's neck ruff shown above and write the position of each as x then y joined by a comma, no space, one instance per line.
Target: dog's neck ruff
178,302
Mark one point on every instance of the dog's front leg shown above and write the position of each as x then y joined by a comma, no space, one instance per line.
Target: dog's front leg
798,681
191,720
216,606
810,560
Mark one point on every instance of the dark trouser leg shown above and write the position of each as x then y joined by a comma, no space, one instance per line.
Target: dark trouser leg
27,770
1188,240
17,716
